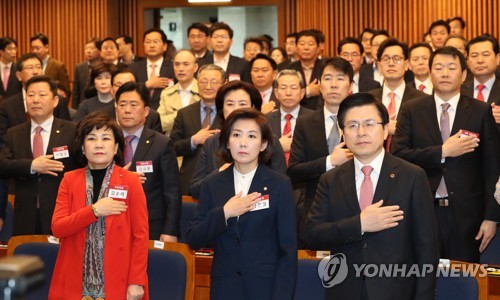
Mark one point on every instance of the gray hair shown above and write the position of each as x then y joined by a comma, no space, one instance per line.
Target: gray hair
212,67
292,73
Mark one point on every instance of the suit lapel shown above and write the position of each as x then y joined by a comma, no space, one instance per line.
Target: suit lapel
386,179
145,142
226,182
260,183
25,135
55,135
461,116
495,93
19,109
348,185
320,134
274,120
429,118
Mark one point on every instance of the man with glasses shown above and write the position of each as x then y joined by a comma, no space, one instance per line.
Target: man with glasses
453,138
195,123
155,71
372,70
375,209
9,85
419,64
352,50
392,56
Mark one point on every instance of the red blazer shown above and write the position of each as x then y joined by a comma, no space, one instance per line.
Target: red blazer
126,239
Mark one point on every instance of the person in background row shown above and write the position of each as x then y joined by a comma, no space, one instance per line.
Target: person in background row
198,40
9,85
251,47
82,71
263,70
365,38
279,55
439,32
126,50
248,212
102,217
419,54
457,25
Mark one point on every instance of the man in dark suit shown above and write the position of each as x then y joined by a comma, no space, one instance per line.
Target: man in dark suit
289,89
483,58
365,37
392,56
82,71
155,71
126,50
221,37
263,70
195,123
419,54
52,67
197,35
371,70
316,145
438,133
309,65
13,110
36,154
152,156
351,49
9,85
364,205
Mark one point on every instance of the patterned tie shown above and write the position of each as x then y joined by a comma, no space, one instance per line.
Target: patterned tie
37,142
128,151
391,109
5,77
480,88
421,88
333,137
444,121
366,191
286,130
206,121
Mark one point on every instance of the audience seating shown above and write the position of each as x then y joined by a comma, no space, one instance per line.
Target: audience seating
464,287
492,253
8,223
309,284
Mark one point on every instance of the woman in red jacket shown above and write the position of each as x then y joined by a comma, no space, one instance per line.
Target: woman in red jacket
102,220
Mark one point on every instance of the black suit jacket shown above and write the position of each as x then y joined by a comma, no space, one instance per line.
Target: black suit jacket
494,97
140,70
236,65
309,102
470,178
186,124
14,86
334,224
152,120
15,162
80,83
12,112
367,84
162,186
274,119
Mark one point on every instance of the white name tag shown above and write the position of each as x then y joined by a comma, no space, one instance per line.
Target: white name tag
144,166
233,77
52,239
60,152
158,245
170,82
118,192
262,204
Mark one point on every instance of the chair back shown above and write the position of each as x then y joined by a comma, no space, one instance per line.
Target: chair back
187,212
491,254
8,223
171,271
309,284
464,287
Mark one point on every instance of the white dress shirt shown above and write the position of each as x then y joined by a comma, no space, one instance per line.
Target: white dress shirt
486,90
355,83
399,91
223,62
186,94
158,64
427,83
242,182
376,164
266,95
46,129
293,120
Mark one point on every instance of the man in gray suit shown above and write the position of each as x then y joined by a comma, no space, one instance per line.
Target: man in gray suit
82,71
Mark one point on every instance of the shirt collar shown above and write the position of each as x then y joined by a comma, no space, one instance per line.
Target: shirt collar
2,66
355,78
399,91
247,175
46,125
188,89
294,113
158,63
137,133
376,163
327,113
488,83
224,60
453,102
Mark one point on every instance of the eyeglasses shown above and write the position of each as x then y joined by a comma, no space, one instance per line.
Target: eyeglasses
31,68
204,83
396,59
366,124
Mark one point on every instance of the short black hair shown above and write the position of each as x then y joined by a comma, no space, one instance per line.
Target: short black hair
339,64
105,40
95,40
267,39
369,30
459,19
380,32
254,39
437,23
350,40
307,33
5,41
390,42
357,100
200,26
131,86
483,38
451,51
98,68
157,30
127,39
25,57
320,34
292,35
274,65
221,26
40,36
234,85
42,78
122,71
419,45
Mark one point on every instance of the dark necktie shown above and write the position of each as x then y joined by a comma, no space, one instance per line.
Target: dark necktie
333,137
128,151
444,121
206,121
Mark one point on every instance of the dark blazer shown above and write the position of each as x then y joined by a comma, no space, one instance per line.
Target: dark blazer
414,85
209,162
80,83
186,124
494,97
57,71
12,112
152,120
15,162
14,86
334,224
162,186
309,102
274,119
257,250
470,178
91,105
410,93
236,65
367,84
140,70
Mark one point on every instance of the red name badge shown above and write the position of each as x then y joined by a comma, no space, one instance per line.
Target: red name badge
144,166
118,191
233,77
469,133
262,204
60,152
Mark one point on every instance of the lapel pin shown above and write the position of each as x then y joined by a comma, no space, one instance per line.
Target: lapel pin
58,131
265,188
147,142
392,175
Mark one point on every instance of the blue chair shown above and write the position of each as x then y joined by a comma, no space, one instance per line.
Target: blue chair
48,254
187,212
464,287
171,271
309,284
492,253
8,223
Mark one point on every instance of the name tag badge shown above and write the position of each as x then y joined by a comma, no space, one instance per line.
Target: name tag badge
144,166
262,204
60,152
233,77
468,133
118,191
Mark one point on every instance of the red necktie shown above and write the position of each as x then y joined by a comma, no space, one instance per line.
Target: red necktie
286,130
128,151
366,191
480,88
391,109
421,88
5,78
37,142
